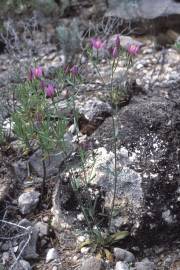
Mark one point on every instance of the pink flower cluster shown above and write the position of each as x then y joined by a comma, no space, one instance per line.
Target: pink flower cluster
49,90
114,51
98,44
74,70
38,73
35,73
133,49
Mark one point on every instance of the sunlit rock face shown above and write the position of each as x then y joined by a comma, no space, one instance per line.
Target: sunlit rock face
148,176
146,16
148,152
134,9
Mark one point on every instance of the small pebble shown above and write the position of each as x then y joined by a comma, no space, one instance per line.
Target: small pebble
85,250
51,255
80,217
145,265
42,228
46,219
15,249
81,238
121,266
123,255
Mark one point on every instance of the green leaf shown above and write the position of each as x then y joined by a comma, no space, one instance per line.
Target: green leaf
117,236
86,243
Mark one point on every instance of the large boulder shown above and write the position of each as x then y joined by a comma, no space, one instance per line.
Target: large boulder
142,9
54,160
146,15
148,142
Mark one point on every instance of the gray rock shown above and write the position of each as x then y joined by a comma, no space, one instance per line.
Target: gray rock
61,107
54,160
29,241
61,198
93,264
28,201
5,247
134,10
145,265
159,16
42,228
94,110
6,184
17,146
91,112
148,128
121,266
51,255
55,267
20,169
22,265
152,77
123,255
8,125
5,258
128,184
117,222
43,242
168,217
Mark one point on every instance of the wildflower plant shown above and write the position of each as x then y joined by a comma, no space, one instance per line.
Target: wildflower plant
36,126
81,185
33,123
101,241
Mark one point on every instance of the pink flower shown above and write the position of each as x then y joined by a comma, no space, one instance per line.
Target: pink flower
49,90
117,42
35,73
97,43
114,52
74,70
133,49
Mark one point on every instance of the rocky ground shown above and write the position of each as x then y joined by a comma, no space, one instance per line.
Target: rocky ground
46,234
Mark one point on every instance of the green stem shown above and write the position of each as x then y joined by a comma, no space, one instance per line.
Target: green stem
44,178
115,173
114,66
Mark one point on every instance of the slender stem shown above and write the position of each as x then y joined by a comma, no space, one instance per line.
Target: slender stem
75,116
115,172
115,151
44,178
97,69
